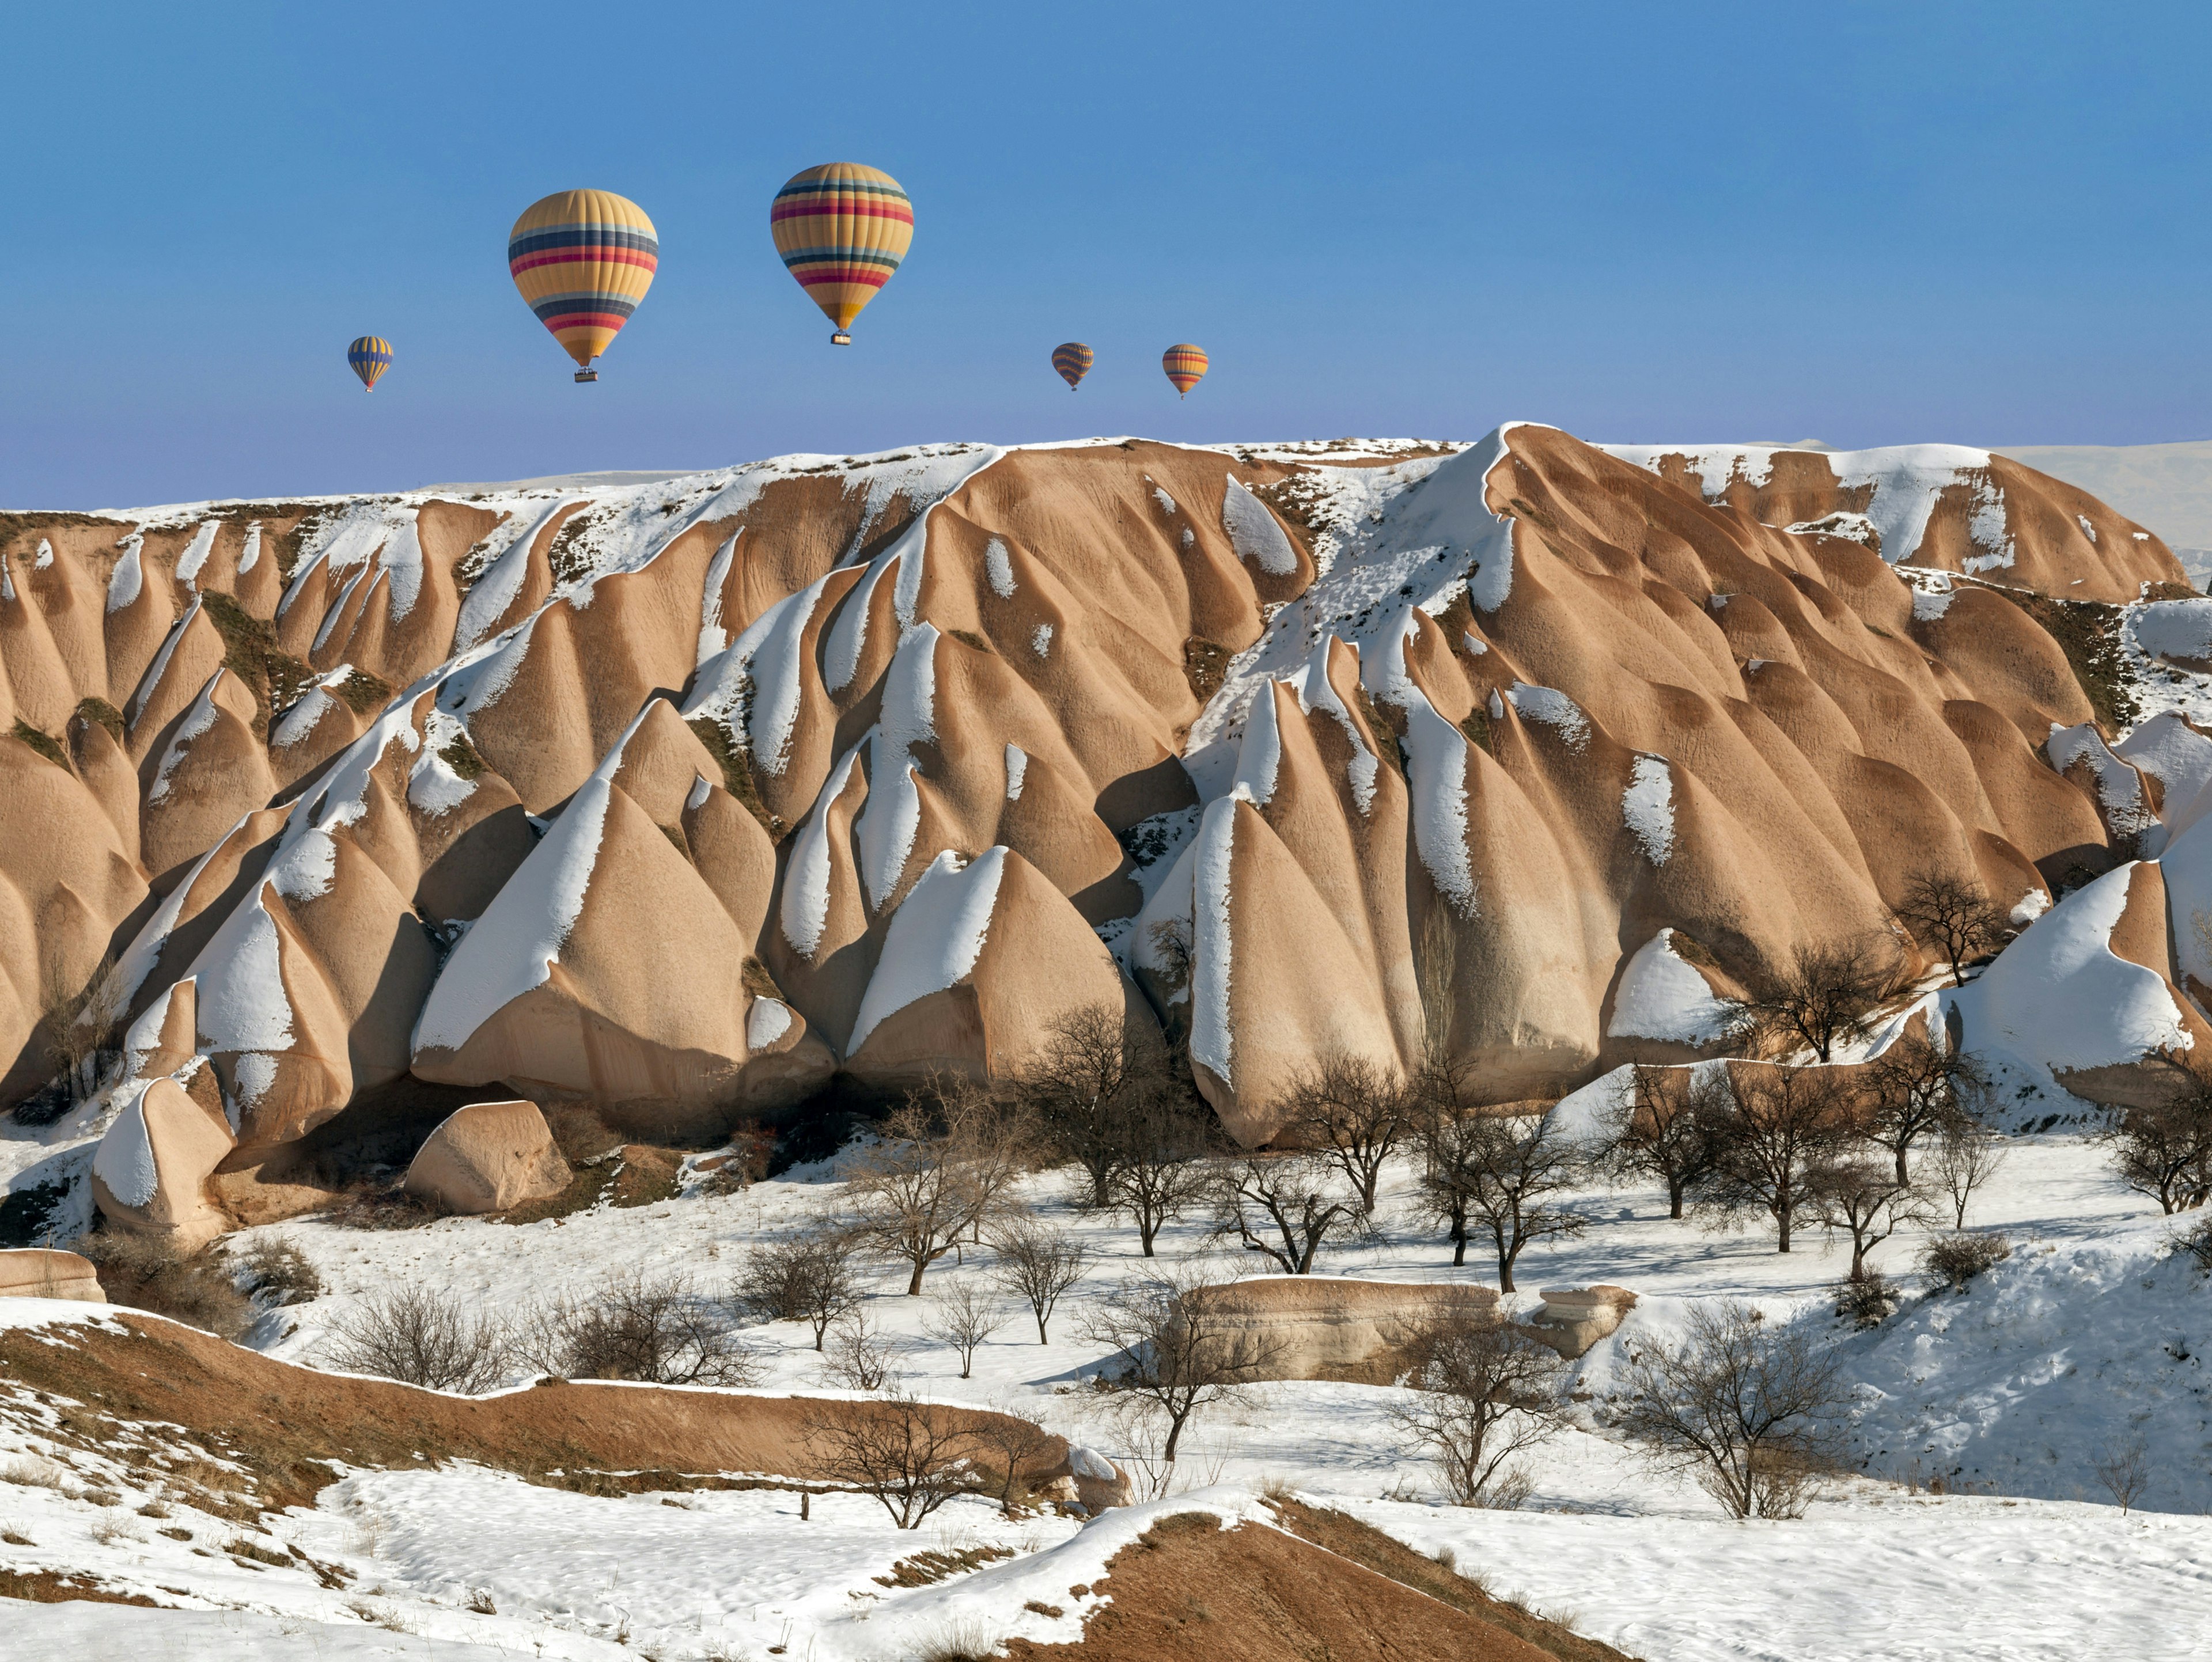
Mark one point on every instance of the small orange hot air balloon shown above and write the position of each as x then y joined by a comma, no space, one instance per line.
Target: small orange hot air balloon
1072,360
1185,365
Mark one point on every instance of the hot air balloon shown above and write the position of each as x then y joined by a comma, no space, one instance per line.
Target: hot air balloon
369,357
842,230
583,260
1072,360
1185,365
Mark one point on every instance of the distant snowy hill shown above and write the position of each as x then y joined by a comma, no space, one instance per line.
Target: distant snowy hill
2166,488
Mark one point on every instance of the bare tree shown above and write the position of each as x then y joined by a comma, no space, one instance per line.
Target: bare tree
1159,1176
1282,1205
930,1180
2164,1149
857,1357
632,1326
1508,1172
1486,1392
807,1277
1967,1156
994,1136
2125,1471
1866,1202
1770,1130
1740,1404
1826,997
1017,1446
418,1337
1177,1351
912,1456
962,1318
1355,1113
1078,1086
1951,911
1037,1264
1916,1087
1657,1126
84,1023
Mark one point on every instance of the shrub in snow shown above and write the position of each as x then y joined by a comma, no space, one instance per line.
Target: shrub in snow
417,1336
2196,1243
150,1273
1954,1260
1484,1392
276,1272
658,1331
807,1277
1866,1301
857,1356
1740,1405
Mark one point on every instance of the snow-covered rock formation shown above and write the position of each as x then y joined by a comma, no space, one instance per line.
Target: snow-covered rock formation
692,797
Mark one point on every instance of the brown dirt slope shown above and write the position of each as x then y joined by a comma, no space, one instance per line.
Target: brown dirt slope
285,1425
1330,1589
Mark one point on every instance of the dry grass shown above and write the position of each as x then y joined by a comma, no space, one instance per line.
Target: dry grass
147,1273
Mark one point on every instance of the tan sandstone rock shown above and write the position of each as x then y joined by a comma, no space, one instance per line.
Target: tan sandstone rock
488,1157
41,1272
150,1174
1325,1327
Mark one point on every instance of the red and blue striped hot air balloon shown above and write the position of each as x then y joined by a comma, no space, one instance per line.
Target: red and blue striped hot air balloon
583,260
1185,365
1072,360
841,229
369,357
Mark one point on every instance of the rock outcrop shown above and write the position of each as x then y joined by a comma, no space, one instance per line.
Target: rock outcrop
488,1157
1325,1327
42,1272
690,799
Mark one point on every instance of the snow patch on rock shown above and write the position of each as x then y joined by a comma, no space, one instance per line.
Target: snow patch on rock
935,936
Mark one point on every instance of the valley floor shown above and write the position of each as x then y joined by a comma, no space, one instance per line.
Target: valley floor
2090,1335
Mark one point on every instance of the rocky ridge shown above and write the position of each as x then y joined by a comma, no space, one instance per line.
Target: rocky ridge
696,798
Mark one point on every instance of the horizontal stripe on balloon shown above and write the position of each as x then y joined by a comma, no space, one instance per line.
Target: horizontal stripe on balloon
555,236
584,256
891,210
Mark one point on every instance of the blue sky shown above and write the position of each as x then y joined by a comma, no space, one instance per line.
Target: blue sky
1866,223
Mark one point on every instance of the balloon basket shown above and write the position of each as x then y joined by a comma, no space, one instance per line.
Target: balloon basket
841,338
587,375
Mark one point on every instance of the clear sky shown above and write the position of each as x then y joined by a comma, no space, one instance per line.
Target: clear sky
1860,222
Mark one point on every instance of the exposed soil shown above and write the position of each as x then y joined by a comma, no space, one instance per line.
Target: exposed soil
1191,1589
286,1427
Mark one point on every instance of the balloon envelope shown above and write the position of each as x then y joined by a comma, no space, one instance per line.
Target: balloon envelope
1072,360
370,356
1185,365
583,260
841,229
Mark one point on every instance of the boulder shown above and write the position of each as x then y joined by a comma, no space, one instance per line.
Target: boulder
39,1272
150,1174
1571,1319
1099,1483
1323,1327
488,1157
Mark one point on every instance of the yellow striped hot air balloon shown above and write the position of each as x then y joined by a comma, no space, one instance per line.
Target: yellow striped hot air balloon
583,260
369,357
841,229
1185,365
1072,360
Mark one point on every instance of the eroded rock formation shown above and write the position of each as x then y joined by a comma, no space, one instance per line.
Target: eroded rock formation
694,798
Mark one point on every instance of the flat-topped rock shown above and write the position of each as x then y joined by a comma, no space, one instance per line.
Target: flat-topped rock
42,1272
489,1157
1326,1327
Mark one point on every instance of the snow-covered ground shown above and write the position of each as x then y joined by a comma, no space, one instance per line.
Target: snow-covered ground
2091,1334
